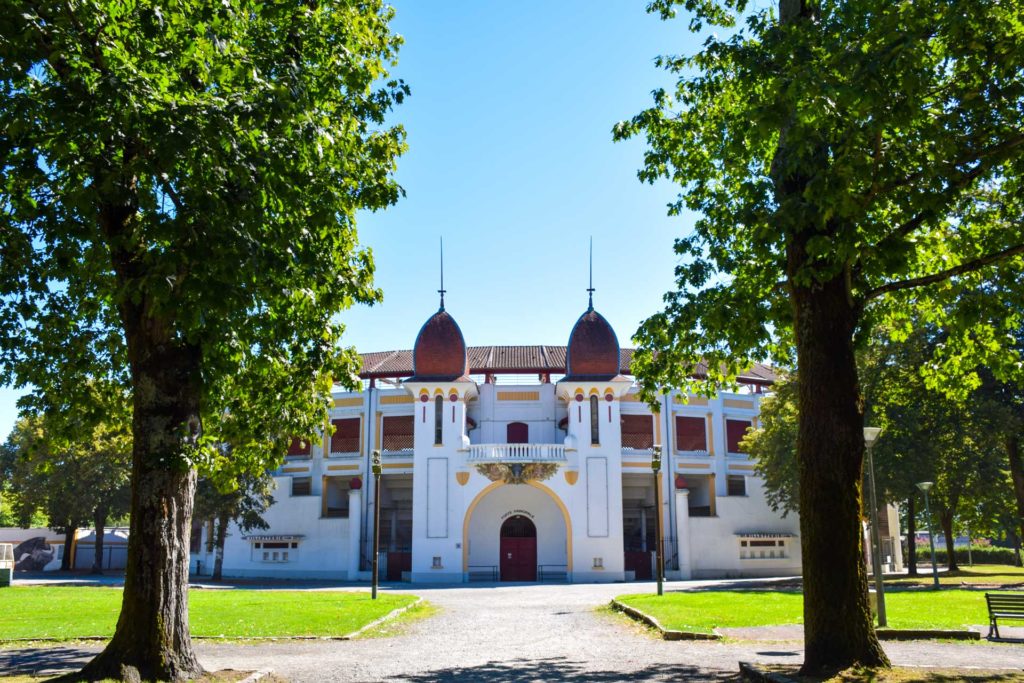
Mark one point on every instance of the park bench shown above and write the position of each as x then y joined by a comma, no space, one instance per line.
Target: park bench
1003,606
552,572
482,572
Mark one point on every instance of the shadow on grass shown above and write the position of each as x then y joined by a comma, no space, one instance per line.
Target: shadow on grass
44,660
562,669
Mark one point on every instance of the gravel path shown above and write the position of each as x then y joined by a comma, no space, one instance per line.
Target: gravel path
523,633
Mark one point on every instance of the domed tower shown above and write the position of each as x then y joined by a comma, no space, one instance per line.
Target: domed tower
440,351
440,389
593,350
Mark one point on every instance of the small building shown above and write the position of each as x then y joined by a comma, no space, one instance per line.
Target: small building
43,549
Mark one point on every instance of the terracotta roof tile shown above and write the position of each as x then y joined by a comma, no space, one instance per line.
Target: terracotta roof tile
525,359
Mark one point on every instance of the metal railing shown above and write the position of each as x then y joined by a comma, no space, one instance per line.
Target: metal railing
516,452
482,572
552,572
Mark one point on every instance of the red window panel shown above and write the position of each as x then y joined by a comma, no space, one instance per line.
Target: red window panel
638,432
346,435
734,431
397,433
298,447
691,434
517,432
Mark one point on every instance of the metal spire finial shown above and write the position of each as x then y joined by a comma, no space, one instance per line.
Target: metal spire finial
442,290
590,289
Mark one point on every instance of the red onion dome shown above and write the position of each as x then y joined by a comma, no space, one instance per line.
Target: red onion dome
593,351
440,351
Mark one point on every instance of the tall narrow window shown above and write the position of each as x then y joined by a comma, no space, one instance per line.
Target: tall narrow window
438,412
594,440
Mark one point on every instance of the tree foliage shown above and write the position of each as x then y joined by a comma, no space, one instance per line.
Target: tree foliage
73,471
178,197
958,444
241,500
854,166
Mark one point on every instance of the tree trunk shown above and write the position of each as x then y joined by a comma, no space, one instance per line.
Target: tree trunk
222,534
1017,476
911,537
946,520
152,639
68,561
100,526
838,628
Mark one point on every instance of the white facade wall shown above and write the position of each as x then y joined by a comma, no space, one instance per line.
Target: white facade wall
457,512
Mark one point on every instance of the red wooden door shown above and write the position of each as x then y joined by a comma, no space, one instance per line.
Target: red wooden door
639,562
398,563
518,550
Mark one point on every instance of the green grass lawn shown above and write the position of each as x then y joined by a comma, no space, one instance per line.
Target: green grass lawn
69,612
702,611
988,574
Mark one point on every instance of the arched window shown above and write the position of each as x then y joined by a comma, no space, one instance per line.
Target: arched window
517,432
438,412
594,440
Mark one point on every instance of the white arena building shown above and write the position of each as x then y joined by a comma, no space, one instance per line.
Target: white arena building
518,463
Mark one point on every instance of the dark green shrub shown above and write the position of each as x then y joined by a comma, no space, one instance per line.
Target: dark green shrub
980,554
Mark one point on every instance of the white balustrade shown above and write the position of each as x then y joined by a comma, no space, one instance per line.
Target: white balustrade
516,452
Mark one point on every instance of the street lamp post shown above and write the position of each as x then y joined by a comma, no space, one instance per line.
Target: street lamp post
659,564
925,487
376,523
870,437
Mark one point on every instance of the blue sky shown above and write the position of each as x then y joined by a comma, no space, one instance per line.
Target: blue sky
511,161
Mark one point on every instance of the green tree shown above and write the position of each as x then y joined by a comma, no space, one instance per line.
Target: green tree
177,213
773,446
242,500
74,472
852,164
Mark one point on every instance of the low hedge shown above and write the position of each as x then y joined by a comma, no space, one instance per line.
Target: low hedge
980,555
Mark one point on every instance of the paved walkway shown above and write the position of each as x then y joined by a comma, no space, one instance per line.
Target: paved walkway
509,633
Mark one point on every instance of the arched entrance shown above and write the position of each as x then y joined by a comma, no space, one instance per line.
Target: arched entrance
518,549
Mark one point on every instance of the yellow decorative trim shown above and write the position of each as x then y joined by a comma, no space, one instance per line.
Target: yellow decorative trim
737,403
656,418
342,468
754,422
462,478
424,392
397,465
742,468
694,466
631,398
348,402
692,400
438,392
711,436
537,485
376,433
295,469
593,391
394,400
571,477
518,395
323,496
637,464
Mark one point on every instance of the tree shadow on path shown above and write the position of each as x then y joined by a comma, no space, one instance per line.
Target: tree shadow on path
563,669
44,660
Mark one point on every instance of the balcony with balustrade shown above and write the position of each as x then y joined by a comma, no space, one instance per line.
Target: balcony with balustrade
482,453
